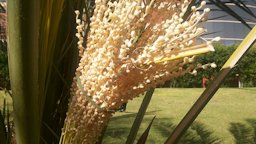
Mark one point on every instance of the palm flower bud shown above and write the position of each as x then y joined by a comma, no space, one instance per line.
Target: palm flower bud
213,65
132,46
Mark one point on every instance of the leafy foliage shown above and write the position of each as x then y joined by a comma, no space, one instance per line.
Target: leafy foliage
4,73
6,126
246,68
60,72
144,136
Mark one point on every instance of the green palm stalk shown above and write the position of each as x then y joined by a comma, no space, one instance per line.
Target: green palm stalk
33,30
51,12
64,61
23,39
212,88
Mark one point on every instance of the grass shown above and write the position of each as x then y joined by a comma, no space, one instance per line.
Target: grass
8,100
229,105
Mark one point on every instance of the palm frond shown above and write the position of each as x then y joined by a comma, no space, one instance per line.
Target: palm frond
5,123
23,33
60,75
242,5
222,5
139,117
144,136
228,10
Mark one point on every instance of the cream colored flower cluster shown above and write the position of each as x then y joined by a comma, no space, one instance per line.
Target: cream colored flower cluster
132,46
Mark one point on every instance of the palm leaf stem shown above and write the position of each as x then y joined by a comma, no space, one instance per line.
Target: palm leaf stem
212,88
23,39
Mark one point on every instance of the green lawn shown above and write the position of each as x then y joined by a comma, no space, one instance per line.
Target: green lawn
229,105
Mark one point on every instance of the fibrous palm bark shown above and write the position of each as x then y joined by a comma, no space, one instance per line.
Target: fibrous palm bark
132,46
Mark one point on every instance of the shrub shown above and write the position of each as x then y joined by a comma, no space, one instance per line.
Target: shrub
4,73
245,71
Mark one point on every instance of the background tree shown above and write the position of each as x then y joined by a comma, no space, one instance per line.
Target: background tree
246,68
4,73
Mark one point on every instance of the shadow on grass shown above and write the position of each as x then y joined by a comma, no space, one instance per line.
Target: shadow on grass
119,128
131,115
198,133
244,133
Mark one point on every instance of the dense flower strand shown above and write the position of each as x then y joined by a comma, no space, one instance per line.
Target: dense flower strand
132,46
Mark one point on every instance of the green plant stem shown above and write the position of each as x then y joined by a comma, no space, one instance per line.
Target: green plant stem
206,96
139,117
23,32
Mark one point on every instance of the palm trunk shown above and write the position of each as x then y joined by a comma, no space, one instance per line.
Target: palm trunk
23,32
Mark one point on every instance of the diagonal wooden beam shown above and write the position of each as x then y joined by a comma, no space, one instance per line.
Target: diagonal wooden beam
212,88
